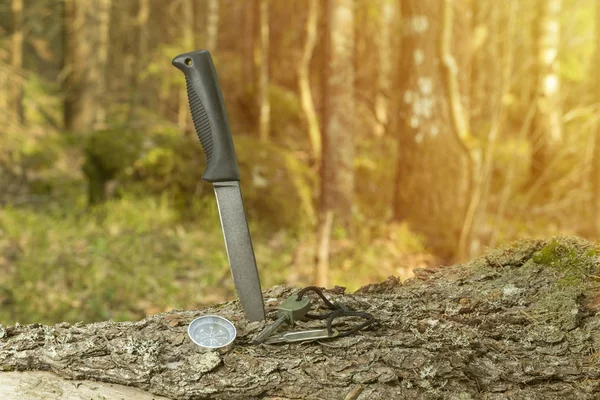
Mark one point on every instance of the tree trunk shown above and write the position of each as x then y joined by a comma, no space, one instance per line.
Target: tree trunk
314,131
433,170
83,63
337,173
248,45
505,19
16,92
212,25
262,60
183,114
546,128
100,69
387,17
141,23
519,323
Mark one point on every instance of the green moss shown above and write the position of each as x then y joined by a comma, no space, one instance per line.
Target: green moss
572,256
570,261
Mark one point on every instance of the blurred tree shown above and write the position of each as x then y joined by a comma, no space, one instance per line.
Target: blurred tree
433,180
16,87
189,44
98,73
501,26
141,22
85,42
546,127
314,132
262,65
212,25
337,172
78,107
386,19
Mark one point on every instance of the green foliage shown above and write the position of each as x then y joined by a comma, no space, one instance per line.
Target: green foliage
575,54
277,187
375,166
377,252
171,163
287,118
107,153
124,259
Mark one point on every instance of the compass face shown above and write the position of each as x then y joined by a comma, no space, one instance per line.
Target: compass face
212,331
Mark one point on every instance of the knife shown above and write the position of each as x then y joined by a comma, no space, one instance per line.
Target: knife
210,121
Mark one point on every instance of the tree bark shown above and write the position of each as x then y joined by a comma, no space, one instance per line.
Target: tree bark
262,60
433,170
521,322
546,128
337,172
314,131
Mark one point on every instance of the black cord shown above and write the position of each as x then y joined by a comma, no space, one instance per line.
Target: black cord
370,320
339,311
318,291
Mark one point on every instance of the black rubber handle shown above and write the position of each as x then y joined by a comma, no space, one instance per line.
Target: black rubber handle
209,116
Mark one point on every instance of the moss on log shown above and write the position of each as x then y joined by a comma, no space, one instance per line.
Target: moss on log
518,323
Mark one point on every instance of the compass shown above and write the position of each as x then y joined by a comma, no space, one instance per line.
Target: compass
212,331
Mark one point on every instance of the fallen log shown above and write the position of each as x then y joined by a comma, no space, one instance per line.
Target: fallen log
518,323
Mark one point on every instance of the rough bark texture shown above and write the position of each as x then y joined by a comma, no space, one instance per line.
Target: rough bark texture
518,323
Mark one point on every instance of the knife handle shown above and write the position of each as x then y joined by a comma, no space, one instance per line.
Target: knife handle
209,116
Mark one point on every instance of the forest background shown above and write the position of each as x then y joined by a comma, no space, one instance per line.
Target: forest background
373,137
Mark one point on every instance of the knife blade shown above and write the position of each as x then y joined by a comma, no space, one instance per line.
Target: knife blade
210,121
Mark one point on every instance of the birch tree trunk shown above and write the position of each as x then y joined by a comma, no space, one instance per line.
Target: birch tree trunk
262,59
314,131
546,128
